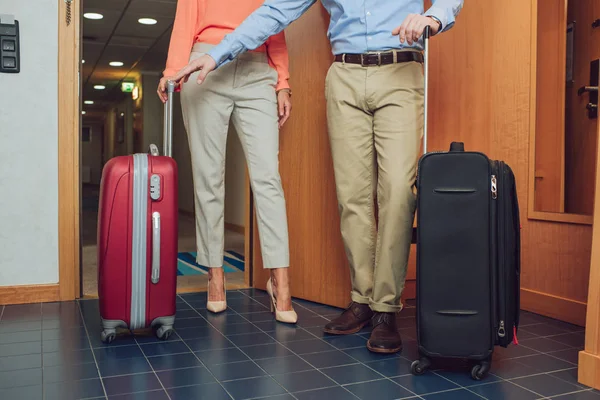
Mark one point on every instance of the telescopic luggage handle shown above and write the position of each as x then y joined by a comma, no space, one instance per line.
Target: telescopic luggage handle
168,124
426,35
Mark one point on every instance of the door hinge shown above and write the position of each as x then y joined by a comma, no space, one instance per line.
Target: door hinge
69,12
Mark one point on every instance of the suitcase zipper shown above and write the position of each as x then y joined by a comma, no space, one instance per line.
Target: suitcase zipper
494,187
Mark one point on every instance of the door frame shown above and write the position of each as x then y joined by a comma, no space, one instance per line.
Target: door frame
69,121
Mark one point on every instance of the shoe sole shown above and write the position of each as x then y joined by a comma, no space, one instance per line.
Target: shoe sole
350,332
383,351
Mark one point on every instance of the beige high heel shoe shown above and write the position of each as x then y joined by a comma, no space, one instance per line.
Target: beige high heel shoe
287,317
216,306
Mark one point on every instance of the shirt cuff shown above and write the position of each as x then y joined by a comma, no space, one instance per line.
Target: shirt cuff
284,84
219,54
440,14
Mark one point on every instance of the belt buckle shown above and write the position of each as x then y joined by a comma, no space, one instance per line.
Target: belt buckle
362,59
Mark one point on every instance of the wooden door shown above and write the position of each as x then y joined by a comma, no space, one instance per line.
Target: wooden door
319,270
580,131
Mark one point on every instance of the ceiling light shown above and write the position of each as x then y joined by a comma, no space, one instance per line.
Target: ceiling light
115,64
93,16
99,87
83,113
147,21
88,102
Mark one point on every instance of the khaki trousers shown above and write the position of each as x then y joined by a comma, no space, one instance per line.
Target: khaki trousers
375,120
243,91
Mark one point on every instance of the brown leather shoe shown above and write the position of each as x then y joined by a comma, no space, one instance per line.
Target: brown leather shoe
351,321
385,337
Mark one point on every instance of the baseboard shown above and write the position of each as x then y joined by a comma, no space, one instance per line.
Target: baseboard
553,306
235,228
29,294
589,369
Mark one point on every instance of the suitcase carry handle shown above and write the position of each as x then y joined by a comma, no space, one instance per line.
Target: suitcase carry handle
155,277
426,35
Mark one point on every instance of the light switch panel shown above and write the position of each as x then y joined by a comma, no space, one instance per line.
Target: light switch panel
10,60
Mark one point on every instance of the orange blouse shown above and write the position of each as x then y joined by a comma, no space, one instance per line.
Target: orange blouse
208,21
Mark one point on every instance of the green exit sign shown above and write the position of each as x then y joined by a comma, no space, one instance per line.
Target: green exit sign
127,87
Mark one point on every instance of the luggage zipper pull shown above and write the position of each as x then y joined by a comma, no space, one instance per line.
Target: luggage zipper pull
494,187
515,340
501,330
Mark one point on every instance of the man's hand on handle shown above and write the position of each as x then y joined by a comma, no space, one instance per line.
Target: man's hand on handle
413,26
205,64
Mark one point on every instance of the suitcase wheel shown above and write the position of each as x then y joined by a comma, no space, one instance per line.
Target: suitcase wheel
419,367
479,371
108,335
164,332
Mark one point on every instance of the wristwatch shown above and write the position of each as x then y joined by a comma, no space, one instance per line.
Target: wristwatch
436,20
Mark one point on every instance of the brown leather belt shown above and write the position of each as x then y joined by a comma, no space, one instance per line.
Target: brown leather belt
377,59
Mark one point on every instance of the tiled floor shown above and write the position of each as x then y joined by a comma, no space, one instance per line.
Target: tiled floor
53,351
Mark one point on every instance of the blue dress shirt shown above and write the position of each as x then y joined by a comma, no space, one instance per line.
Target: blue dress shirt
356,26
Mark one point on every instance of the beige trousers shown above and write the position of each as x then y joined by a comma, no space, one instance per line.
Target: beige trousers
375,119
242,91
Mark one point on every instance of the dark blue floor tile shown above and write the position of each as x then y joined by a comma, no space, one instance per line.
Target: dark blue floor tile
569,375
462,377
279,397
522,335
221,356
197,333
124,338
508,369
566,326
91,388
328,359
461,394
246,308
259,317
64,334
253,388
285,334
543,345
182,306
425,384
543,329
570,355
24,377
174,361
355,373
301,381
315,321
392,367
346,342
318,332
214,342
545,363
29,393
384,390
220,320
586,395
514,351
252,339
190,323
324,310
185,314
337,393
212,391
269,326
115,367
14,363
53,346
21,337
238,329
131,384
12,327
284,365
546,385
22,312
20,349
185,377
363,354
266,351
150,337
153,395
64,373
62,322
503,391
234,371
309,346
72,357
570,339
166,348
118,353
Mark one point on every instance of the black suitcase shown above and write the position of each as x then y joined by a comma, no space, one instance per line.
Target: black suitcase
468,256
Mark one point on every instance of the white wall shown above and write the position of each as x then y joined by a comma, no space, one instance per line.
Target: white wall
29,150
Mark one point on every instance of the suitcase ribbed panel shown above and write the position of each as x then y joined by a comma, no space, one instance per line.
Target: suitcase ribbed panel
139,238
454,283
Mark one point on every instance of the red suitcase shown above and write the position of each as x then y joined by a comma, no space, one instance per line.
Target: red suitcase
137,240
